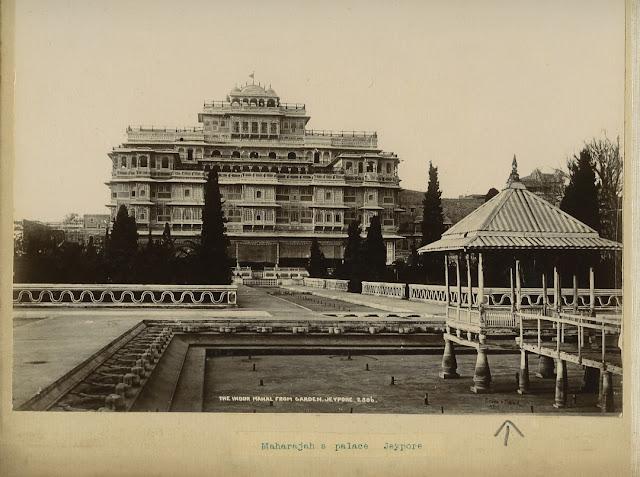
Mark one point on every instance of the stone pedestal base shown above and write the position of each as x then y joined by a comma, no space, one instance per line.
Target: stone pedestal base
562,384
523,376
545,367
606,396
482,374
591,380
449,362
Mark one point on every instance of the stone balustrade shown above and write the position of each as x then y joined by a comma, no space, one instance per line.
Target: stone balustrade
390,290
333,284
123,295
314,282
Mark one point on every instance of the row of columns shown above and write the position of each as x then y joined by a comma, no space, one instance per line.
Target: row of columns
594,380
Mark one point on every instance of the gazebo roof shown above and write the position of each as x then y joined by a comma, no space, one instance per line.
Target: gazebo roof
518,219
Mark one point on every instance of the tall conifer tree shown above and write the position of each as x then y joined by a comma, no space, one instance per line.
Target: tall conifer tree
215,265
374,252
581,195
432,216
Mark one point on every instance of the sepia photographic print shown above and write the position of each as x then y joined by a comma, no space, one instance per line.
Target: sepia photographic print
350,216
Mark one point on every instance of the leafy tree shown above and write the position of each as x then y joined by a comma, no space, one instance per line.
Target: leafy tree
317,264
432,216
374,252
581,195
215,265
491,193
608,165
123,246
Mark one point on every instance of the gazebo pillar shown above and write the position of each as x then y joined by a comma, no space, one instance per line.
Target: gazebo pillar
480,283
469,290
545,297
523,381
575,293
592,292
446,280
458,284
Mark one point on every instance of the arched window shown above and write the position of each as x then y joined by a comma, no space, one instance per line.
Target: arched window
292,155
190,154
337,217
271,103
235,154
215,153
328,218
316,157
388,168
261,102
253,102
134,162
360,167
143,161
123,162
253,155
272,155
258,194
165,162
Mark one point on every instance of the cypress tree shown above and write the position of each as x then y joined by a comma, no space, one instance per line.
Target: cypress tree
432,216
317,265
374,252
351,268
123,245
581,195
215,265
432,223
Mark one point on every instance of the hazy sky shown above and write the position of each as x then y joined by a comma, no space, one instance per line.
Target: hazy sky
465,84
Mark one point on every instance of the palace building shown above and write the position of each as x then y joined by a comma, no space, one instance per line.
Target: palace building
282,183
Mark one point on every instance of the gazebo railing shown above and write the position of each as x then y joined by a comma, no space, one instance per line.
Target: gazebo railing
600,326
499,296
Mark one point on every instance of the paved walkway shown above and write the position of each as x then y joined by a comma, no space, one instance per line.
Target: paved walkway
379,302
49,342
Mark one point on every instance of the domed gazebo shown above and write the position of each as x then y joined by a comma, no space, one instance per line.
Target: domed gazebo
515,223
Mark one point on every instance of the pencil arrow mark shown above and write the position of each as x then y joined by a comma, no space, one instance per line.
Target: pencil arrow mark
508,425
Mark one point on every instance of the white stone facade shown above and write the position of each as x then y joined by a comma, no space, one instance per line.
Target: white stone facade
282,183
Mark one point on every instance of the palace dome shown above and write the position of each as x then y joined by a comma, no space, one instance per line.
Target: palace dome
253,90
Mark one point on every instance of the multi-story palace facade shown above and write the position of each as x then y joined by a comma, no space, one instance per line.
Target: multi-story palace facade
282,184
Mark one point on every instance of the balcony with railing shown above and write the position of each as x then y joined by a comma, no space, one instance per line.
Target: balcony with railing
154,134
237,106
